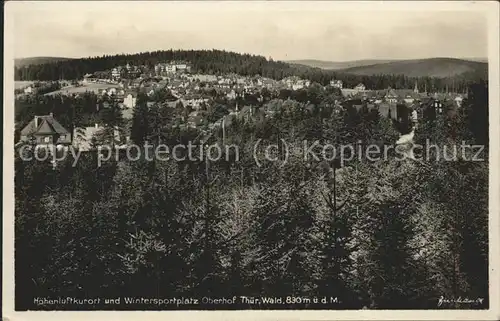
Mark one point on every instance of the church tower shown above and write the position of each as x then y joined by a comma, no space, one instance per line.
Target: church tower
415,90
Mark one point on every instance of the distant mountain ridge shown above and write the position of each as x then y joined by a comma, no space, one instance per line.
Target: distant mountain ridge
21,62
375,74
485,60
336,65
430,67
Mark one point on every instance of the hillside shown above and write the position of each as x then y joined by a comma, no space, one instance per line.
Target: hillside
21,62
203,61
393,74
485,60
336,65
432,67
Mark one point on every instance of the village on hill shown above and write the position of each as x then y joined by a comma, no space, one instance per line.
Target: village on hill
195,97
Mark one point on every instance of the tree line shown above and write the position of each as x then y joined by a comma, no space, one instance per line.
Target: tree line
224,62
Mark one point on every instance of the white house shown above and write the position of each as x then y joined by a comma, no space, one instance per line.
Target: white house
129,101
86,78
194,102
336,83
28,90
360,87
414,116
116,73
171,68
391,96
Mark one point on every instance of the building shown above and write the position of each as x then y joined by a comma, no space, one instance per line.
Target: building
414,117
116,73
348,92
336,83
403,118
391,96
171,69
28,90
409,100
159,69
360,87
88,78
182,67
438,106
83,137
195,102
295,83
134,73
431,108
46,130
129,101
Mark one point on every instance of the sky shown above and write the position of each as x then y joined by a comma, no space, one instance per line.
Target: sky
281,30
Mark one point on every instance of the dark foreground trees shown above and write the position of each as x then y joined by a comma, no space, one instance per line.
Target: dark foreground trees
381,234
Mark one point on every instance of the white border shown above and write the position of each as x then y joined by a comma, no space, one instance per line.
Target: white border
491,10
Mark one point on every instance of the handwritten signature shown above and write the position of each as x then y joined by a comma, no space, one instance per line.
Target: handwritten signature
442,300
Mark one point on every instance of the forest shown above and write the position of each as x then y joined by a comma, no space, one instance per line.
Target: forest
224,62
387,234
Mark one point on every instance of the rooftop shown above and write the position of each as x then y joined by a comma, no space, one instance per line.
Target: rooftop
44,125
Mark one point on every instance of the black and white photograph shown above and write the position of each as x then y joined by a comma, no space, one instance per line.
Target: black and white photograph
244,155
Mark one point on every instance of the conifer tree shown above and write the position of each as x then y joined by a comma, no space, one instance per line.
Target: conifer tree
140,121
